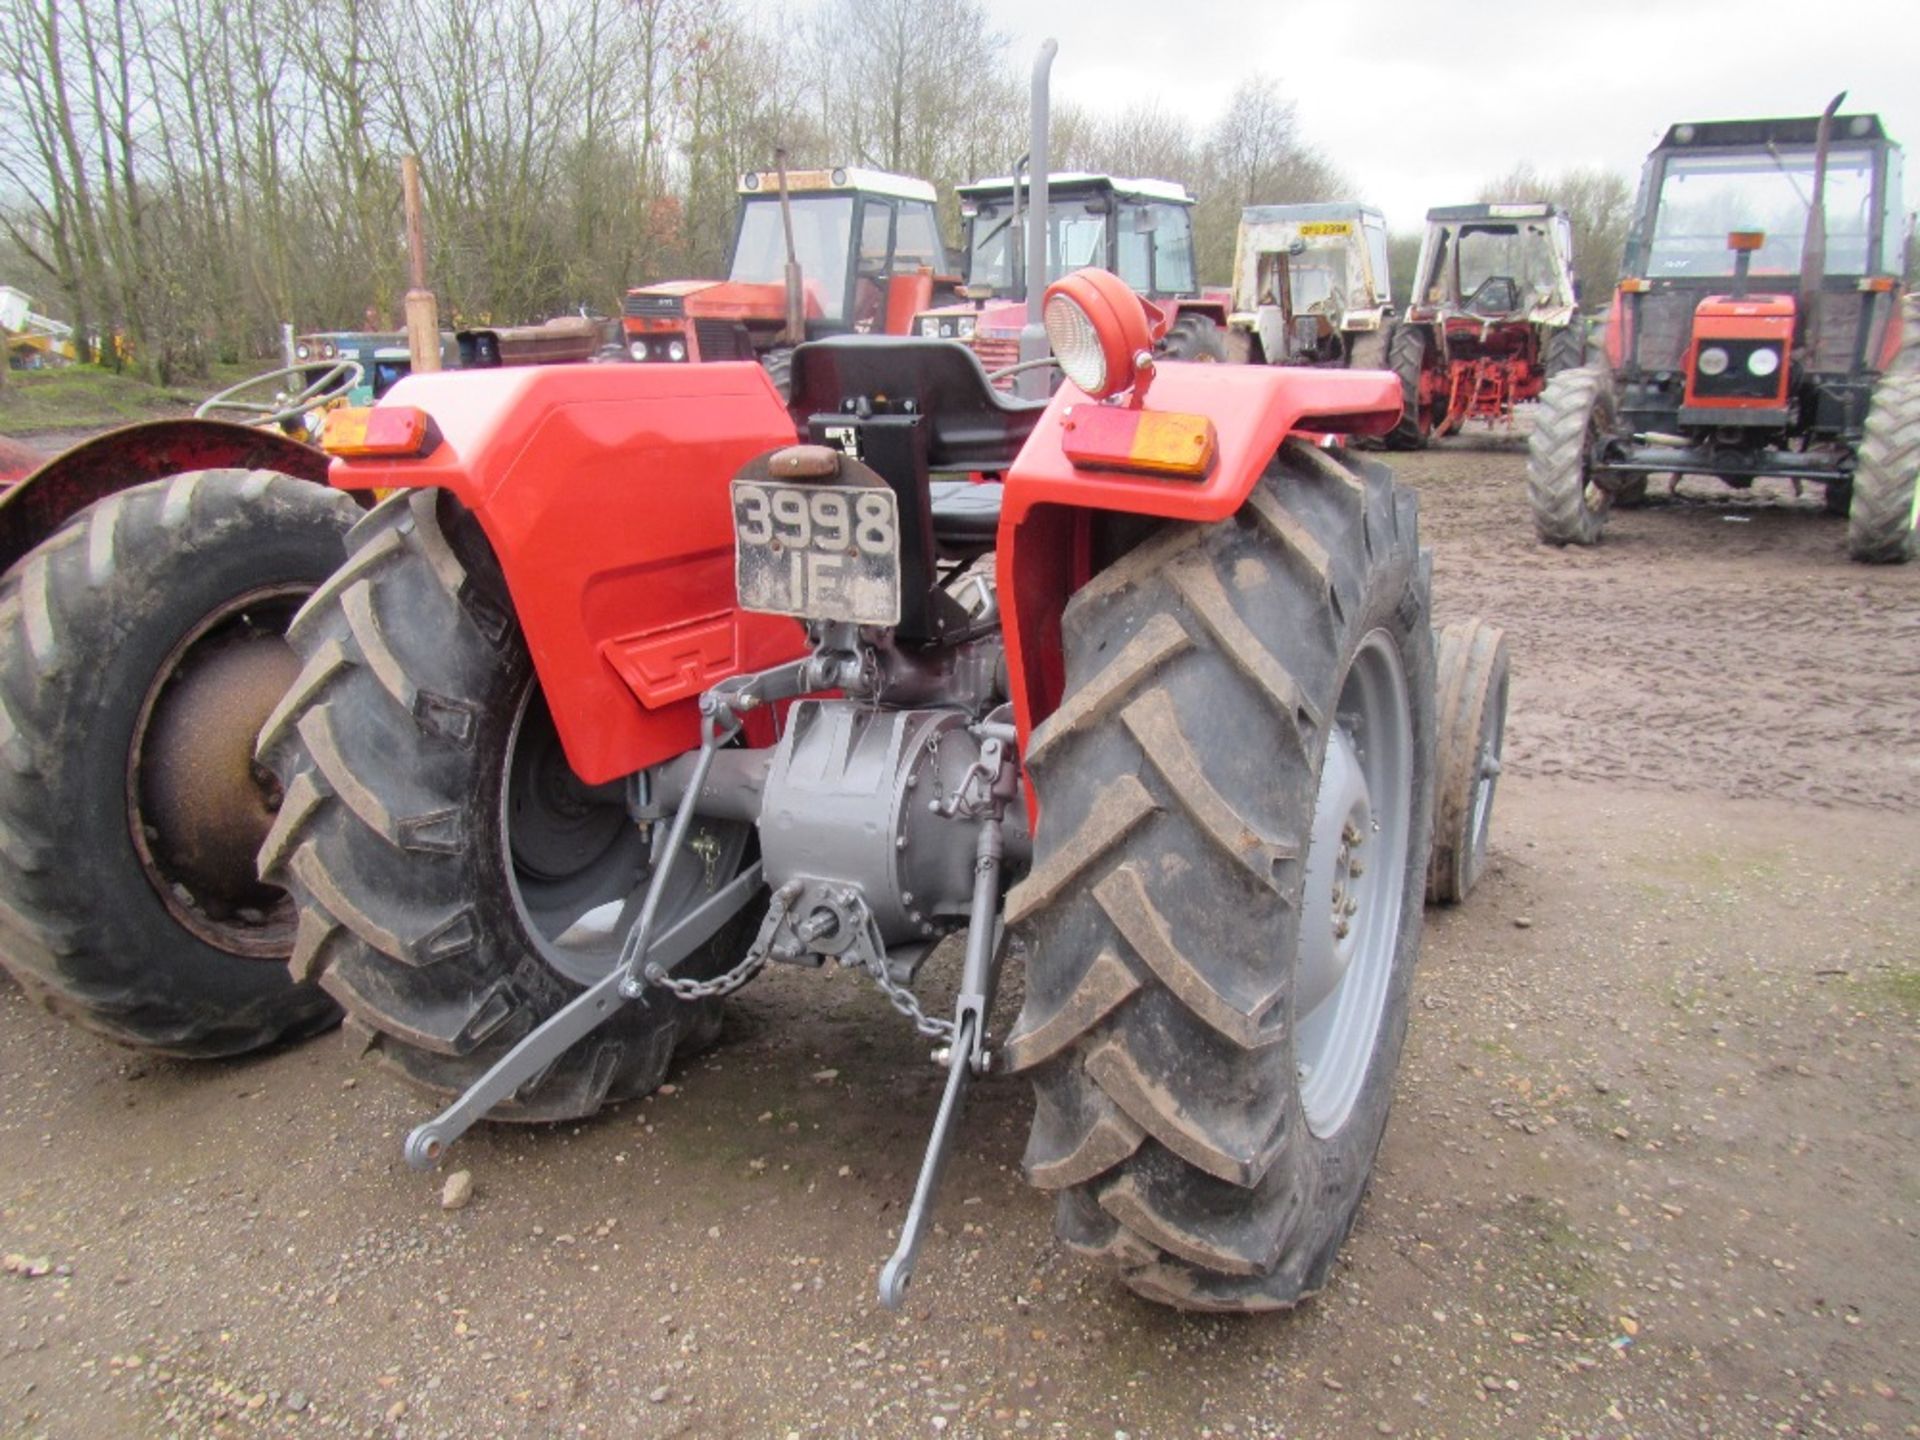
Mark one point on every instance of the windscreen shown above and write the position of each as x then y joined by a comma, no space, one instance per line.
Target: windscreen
822,227
1076,239
1705,197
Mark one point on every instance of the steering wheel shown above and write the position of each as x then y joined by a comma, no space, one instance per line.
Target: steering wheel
336,382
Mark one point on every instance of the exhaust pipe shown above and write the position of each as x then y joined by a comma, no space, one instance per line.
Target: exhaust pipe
795,329
1032,384
1813,249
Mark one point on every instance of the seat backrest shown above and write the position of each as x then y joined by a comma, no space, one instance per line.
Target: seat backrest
969,424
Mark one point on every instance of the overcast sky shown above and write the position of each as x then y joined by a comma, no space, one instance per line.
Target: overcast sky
1420,102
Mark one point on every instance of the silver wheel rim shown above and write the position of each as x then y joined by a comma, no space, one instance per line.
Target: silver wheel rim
1356,880
1486,761
578,875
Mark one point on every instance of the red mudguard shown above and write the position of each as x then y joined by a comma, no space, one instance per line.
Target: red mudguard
603,490
1044,553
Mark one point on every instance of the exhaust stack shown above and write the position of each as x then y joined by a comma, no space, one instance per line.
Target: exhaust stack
1813,249
1032,384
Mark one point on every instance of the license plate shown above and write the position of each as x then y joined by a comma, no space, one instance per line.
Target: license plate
817,552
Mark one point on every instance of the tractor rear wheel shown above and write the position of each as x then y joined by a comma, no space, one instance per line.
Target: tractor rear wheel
1575,417
1407,358
1194,337
1225,901
1880,523
778,363
456,882
1471,665
1566,347
141,645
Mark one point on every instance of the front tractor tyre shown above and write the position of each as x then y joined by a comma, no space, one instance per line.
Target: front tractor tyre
456,882
1880,520
1471,687
141,646
1574,421
1224,906
1566,348
1195,337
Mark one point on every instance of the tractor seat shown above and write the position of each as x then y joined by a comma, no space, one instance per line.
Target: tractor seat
1497,296
966,515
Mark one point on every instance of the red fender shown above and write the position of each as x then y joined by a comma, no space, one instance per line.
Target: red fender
34,508
603,490
1044,541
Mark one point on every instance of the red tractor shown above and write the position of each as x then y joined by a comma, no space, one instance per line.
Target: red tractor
1494,316
1140,229
641,681
827,252
1756,335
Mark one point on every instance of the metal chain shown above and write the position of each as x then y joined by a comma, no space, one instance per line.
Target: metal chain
904,1001
726,984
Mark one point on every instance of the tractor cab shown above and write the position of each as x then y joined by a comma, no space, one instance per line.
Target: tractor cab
1496,262
1142,230
1723,220
869,252
1310,285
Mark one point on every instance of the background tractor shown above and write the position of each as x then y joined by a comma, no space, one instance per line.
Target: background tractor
868,253
1755,335
1142,230
1494,315
1310,287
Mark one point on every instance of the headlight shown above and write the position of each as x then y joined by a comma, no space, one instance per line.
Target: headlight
1763,362
929,328
1076,344
638,349
965,329
326,351
676,350
1713,361
301,352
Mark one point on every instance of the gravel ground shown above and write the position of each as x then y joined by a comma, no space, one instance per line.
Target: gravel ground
1652,1170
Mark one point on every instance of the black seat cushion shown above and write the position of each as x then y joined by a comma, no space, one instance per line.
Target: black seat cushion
965,515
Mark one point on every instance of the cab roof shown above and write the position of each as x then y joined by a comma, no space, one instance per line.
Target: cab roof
1170,190
1756,134
1323,210
1498,210
840,177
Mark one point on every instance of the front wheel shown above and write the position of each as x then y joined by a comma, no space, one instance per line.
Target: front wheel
1574,421
1880,519
1471,665
456,882
1225,901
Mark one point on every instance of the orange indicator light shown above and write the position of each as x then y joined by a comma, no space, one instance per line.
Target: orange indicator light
1149,442
364,432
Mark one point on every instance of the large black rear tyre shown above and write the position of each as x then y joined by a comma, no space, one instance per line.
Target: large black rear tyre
1194,337
1566,347
1407,358
1880,518
140,646
1186,910
445,859
1575,417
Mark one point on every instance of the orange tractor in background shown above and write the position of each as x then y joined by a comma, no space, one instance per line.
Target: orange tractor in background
815,253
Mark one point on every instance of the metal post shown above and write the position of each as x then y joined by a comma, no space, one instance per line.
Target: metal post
423,310
287,357
1033,384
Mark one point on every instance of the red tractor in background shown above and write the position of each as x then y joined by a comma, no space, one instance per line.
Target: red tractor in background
863,246
1756,334
1142,230
1494,315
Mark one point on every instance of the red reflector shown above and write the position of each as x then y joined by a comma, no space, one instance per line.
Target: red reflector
391,431
1149,442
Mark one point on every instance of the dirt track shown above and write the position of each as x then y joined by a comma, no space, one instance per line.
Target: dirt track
1652,1170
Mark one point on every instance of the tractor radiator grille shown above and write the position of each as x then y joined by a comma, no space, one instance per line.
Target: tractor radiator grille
996,352
722,340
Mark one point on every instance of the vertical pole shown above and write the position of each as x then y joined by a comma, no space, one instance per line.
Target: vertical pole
423,311
795,329
1033,335
287,357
